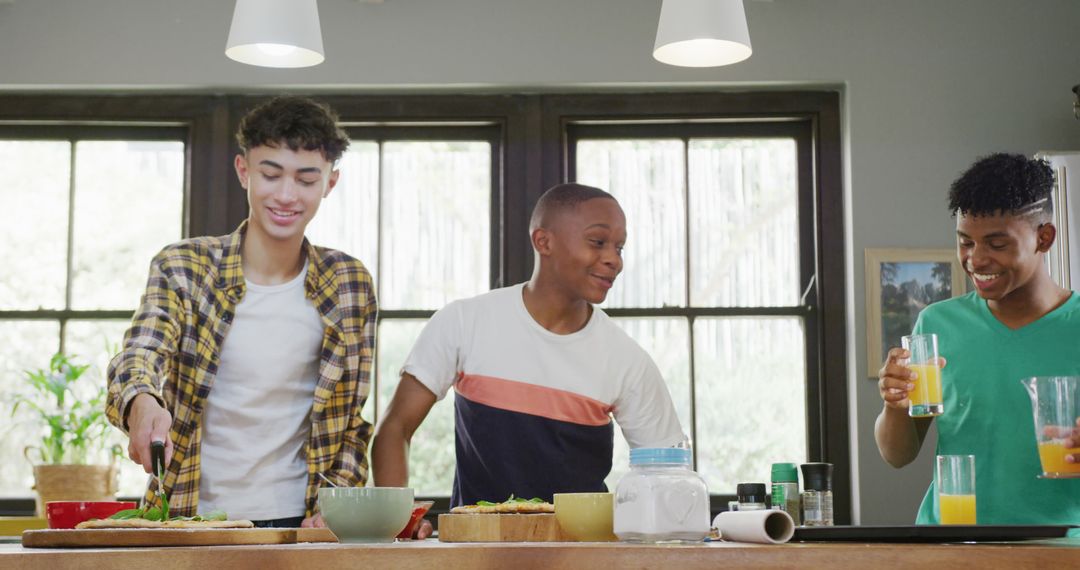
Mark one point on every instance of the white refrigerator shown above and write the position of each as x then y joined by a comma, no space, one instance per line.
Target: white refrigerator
1064,256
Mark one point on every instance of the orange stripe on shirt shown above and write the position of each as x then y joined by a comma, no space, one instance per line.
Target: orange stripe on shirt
535,400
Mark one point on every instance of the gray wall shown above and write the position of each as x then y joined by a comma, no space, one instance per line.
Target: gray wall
928,86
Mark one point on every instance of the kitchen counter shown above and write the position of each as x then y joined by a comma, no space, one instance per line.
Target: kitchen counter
1043,554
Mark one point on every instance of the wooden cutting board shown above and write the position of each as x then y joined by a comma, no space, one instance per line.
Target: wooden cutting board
541,527
94,538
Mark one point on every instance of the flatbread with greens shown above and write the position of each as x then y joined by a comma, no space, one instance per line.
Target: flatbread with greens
143,523
159,518
509,506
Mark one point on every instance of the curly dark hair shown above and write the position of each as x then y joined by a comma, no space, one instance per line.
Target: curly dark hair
299,122
1003,184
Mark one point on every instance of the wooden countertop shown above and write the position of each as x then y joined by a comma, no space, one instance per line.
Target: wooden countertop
1041,555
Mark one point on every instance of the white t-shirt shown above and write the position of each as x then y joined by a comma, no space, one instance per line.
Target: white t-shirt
529,400
257,417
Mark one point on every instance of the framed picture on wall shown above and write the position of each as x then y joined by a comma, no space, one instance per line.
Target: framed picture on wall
900,283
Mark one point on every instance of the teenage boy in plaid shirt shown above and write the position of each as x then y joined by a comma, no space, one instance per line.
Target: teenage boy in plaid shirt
250,353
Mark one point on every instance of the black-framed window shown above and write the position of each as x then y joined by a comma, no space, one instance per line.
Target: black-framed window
820,217
718,270
89,205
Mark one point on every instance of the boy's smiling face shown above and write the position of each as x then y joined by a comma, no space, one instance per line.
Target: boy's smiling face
583,246
284,187
1001,253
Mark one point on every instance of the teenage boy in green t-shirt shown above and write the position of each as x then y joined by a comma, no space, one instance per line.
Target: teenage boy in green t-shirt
1018,323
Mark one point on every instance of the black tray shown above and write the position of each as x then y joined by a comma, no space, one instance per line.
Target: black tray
928,533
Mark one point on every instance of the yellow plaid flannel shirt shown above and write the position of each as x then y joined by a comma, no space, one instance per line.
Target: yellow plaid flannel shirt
172,351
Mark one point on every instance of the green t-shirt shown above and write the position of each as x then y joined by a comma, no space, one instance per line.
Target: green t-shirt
988,411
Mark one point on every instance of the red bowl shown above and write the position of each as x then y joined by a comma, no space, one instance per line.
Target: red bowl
67,514
420,508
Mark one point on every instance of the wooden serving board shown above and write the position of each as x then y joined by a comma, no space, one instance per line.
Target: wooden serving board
540,527
95,538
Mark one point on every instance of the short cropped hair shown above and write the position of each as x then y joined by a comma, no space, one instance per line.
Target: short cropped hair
1004,184
298,122
562,197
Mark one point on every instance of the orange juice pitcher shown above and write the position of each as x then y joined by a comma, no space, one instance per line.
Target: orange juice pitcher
1055,405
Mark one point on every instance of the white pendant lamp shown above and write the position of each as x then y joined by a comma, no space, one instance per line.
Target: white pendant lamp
702,33
276,33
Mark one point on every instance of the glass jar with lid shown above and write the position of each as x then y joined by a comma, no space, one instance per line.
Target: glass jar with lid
661,499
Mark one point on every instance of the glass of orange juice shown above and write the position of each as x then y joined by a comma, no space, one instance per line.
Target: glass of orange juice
954,481
925,399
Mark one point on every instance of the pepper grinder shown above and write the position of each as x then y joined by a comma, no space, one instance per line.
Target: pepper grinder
817,498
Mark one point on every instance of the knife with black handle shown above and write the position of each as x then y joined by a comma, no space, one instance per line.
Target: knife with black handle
157,464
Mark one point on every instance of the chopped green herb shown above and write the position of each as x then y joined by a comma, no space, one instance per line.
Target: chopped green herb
127,514
511,500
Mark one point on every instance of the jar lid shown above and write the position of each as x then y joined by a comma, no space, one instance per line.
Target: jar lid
783,472
750,492
647,455
817,476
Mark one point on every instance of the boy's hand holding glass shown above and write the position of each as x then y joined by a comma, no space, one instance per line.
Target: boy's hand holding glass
899,378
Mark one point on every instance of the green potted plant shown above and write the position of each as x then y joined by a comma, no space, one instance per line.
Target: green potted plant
74,434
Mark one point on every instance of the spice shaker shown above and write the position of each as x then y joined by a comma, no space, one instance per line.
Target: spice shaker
785,490
751,496
817,498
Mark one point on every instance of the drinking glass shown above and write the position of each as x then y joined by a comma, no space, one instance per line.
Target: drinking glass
954,481
925,399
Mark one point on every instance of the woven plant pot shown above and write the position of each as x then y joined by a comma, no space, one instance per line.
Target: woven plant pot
74,483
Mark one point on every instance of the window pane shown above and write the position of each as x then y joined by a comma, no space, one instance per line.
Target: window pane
668,343
95,343
348,219
648,178
744,223
750,376
431,456
28,345
436,212
129,198
33,242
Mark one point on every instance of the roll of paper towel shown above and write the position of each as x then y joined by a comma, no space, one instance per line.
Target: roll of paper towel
766,527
